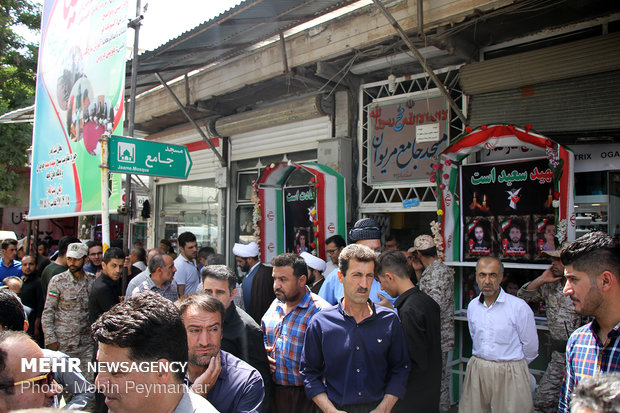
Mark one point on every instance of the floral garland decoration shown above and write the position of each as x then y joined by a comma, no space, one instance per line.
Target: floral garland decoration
556,164
313,185
439,177
438,239
256,213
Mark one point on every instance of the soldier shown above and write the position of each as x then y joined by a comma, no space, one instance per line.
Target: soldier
437,280
562,321
65,315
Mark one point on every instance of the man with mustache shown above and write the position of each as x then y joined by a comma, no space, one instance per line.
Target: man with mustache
229,383
504,338
561,320
592,271
355,356
284,326
65,316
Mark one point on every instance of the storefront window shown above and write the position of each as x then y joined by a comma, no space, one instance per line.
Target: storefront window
189,206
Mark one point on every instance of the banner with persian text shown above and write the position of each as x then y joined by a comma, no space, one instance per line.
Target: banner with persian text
404,134
507,210
79,96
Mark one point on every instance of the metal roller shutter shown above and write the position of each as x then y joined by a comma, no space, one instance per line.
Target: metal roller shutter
588,103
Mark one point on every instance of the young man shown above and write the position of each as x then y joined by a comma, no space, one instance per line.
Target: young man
145,328
9,265
242,337
355,356
95,253
65,315
257,285
505,341
229,383
32,296
592,271
419,316
187,276
106,289
561,320
284,326
59,265
437,280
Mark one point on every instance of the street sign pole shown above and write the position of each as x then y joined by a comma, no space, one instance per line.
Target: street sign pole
105,194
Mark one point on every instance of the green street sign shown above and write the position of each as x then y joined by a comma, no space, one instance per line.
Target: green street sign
135,156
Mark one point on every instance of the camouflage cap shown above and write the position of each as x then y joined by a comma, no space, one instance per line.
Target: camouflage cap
423,242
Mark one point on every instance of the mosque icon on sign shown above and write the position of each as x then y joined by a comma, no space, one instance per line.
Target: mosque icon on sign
126,152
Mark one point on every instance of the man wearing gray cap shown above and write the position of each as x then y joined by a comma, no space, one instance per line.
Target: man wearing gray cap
316,266
65,315
257,285
437,280
365,232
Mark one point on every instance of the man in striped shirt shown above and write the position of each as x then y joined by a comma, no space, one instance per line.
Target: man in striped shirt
592,270
284,326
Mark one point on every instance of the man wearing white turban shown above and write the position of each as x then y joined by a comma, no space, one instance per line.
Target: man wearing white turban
257,285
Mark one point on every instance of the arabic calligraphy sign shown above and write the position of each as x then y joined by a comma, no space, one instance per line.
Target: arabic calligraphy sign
506,207
404,134
79,96
135,156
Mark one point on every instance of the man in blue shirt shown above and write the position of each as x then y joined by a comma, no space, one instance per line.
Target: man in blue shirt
355,356
230,384
187,276
10,266
365,232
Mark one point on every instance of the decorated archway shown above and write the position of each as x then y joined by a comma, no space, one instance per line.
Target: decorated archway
556,172
299,207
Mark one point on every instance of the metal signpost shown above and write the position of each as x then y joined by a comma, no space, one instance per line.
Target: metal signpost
135,156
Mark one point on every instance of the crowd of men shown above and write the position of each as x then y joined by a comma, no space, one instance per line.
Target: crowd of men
372,329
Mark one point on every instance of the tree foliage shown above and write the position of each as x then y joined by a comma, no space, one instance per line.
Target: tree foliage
18,68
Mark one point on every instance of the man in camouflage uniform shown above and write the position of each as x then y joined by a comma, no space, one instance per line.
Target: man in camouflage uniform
561,320
65,315
437,280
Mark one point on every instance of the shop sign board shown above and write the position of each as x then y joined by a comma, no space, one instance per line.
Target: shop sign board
136,156
507,210
604,157
404,134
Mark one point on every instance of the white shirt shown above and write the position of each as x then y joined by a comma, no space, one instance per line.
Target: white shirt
505,331
187,274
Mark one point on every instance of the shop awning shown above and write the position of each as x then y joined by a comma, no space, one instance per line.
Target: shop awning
226,36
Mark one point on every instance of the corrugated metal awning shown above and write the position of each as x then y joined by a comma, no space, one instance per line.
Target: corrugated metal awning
225,36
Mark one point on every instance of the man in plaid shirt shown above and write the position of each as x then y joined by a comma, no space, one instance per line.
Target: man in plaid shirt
592,270
284,327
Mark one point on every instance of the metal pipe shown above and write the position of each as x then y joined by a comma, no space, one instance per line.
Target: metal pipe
418,56
192,121
421,19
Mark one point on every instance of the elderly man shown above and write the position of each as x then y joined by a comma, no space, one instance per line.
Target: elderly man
365,232
284,326
242,338
23,388
419,316
592,271
160,279
505,341
316,266
257,285
355,356
437,280
562,321
143,276
65,315
229,383
145,328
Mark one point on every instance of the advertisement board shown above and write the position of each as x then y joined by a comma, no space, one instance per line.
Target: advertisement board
79,97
